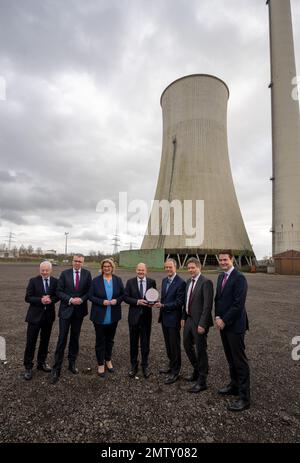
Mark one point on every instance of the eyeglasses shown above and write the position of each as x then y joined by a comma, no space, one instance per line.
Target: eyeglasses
78,261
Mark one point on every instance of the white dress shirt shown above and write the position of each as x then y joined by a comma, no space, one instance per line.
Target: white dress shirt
144,282
44,283
190,289
74,275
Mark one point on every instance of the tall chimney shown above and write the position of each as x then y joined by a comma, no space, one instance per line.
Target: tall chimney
285,130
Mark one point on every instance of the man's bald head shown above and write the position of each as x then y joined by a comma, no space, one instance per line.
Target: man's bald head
141,270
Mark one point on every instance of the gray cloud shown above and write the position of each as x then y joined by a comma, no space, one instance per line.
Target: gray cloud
13,217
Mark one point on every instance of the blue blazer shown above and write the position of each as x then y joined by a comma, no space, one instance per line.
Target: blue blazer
230,303
97,295
173,300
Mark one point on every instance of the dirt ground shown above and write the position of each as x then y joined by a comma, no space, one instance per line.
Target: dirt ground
83,408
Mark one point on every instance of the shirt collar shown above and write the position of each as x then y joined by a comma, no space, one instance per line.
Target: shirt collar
196,278
172,278
141,279
228,273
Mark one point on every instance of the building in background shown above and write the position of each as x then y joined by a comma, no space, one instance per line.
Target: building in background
285,130
195,167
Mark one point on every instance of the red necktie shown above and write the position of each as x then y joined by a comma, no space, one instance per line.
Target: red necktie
190,297
76,280
225,278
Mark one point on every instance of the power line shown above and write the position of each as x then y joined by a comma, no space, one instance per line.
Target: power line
10,239
116,242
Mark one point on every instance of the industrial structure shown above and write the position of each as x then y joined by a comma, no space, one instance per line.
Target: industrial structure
285,130
195,167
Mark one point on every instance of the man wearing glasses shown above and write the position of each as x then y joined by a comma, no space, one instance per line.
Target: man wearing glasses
72,289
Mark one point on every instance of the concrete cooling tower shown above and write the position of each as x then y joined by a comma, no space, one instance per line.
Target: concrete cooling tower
285,130
195,167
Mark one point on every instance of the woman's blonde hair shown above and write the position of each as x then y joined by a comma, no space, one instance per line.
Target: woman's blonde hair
110,262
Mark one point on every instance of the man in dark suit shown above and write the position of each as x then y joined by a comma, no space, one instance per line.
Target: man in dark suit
41,297
232,321
72,289
171,304
139,318
197,319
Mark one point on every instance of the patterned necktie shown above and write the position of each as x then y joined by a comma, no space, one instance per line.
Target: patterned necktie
141,289
190,297
46,286
225,278
76,279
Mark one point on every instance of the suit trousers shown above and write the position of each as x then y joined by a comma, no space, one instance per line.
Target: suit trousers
195,346
172,342
140,332
105,335
44,328
72,324
234,348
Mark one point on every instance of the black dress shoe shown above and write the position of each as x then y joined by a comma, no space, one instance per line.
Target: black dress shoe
54,376
28,374
132,373
146,372
110,370
44,367
228,390
192,378
101,375
238,405
164,371
197,388
171,379
72,368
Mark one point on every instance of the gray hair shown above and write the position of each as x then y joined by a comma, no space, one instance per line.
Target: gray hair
141,263
170,259
46,262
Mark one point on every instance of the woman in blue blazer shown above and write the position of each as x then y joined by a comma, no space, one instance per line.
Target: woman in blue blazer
106,294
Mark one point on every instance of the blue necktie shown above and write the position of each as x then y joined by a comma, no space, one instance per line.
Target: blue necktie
141,289
46,286
168,284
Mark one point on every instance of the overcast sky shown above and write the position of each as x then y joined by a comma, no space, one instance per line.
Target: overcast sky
81,120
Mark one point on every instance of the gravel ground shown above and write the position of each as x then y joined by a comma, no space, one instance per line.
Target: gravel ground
83,408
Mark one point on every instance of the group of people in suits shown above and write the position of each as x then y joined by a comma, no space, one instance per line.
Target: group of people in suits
183,306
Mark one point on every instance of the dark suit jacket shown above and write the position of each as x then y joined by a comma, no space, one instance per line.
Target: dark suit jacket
132,294
66,290
173,300
202,302
97,295
230,303
34,292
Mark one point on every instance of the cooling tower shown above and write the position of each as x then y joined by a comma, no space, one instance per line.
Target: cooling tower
285,130
195,166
